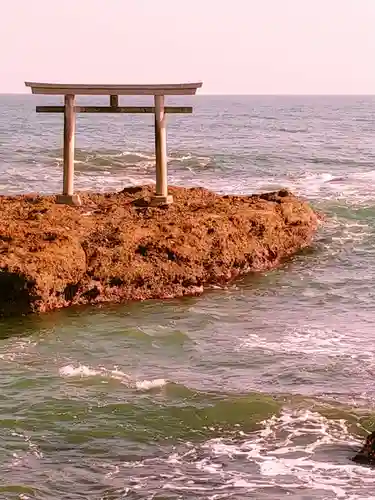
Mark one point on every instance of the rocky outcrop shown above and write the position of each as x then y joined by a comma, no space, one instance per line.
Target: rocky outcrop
116,247
366,455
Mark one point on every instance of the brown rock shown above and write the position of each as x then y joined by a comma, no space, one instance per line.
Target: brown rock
116,247
366,455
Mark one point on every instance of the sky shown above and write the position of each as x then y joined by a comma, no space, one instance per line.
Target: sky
234,47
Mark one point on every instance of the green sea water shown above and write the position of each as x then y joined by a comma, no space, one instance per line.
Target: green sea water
261,389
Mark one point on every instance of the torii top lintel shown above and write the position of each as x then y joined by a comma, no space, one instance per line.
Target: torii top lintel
101,89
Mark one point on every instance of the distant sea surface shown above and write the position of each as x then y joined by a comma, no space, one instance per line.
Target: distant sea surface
259,390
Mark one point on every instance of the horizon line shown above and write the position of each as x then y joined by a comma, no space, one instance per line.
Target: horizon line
281,94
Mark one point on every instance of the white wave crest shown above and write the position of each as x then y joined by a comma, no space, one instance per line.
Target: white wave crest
300,450
83,371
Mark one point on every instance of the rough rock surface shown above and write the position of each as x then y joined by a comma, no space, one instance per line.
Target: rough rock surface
366,455
115,247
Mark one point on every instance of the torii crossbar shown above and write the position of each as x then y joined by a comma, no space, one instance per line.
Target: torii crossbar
70,91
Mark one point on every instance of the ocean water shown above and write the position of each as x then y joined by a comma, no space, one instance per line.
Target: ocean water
262,389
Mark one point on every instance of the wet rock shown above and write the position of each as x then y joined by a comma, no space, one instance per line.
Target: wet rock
114,248
367,453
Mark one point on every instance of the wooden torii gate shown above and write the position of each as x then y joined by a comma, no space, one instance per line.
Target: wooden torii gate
69,91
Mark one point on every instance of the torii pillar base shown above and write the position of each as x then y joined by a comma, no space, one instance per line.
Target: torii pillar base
69,199
159,200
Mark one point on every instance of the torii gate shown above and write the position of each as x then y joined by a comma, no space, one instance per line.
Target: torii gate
69,91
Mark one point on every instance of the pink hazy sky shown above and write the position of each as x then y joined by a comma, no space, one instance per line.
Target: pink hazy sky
235,47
